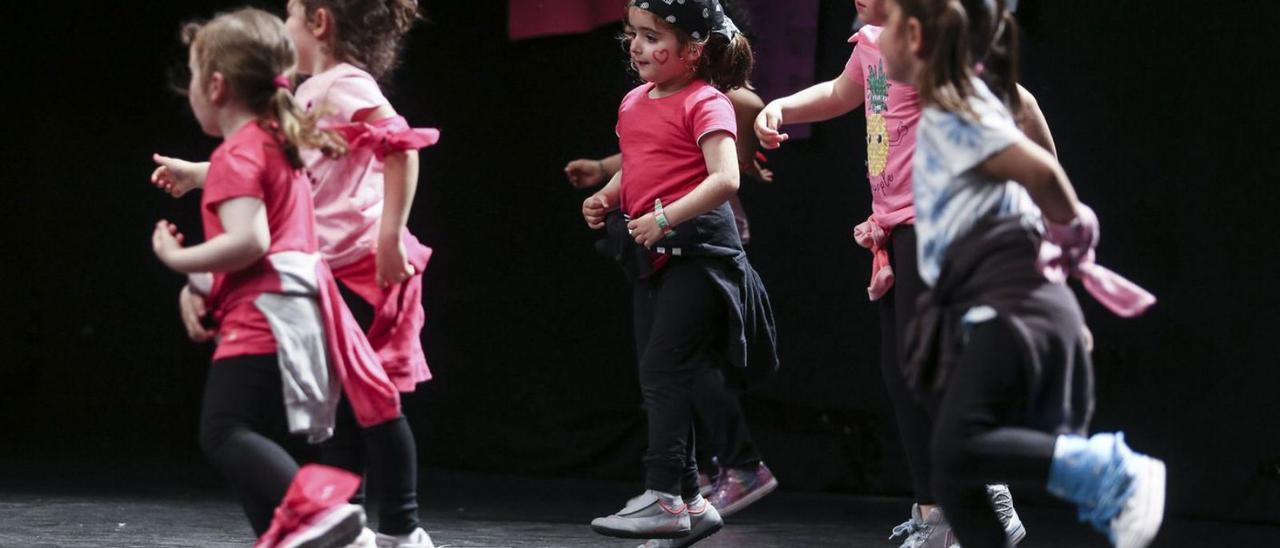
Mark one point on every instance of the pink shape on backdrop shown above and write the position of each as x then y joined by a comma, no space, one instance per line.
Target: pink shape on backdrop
533,18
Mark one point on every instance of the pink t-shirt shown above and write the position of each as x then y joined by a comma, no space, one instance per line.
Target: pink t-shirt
251,163
347,190
893,109
661,142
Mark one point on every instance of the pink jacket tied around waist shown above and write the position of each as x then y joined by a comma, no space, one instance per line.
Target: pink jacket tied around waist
872,235
1068,251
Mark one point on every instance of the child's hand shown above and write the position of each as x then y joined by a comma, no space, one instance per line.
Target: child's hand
192,308
594,209
175,176
756,171
165,241
645,230
392,264
767,124
584,173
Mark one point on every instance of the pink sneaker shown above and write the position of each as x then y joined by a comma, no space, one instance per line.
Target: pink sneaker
314,512
738,489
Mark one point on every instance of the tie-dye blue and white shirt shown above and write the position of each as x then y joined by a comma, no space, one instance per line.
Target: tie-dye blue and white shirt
950,196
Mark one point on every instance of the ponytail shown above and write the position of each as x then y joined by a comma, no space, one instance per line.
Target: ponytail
1000,64
993,45
298,129
726,63
945,81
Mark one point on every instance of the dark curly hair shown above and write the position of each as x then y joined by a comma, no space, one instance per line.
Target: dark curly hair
368,33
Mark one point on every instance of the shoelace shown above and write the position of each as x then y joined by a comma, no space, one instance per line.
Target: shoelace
1002,502
908,528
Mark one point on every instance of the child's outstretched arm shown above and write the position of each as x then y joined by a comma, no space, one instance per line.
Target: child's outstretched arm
721,184
746,106
1034,168
176,176
586,173
820,102
247,239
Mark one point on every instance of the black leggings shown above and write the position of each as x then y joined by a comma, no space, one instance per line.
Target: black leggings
392,466
896,310
243,408
972,443
389,447
680,321
720,425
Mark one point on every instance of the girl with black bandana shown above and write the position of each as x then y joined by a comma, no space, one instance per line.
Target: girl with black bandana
698,303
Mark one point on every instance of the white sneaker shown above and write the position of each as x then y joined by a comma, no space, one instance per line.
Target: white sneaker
417,539
653,514
367,539
1138,522
704,521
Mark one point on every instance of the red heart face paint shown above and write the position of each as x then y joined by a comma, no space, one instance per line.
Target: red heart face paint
662,56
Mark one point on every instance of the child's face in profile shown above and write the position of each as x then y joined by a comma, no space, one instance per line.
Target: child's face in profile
300,33
655,49
199,97
898,43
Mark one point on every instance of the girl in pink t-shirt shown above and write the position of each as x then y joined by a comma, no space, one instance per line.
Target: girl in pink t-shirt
362,200
279,312
674,233
892,114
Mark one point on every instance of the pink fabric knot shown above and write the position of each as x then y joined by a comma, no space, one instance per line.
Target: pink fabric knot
387,135
872,235
1069,251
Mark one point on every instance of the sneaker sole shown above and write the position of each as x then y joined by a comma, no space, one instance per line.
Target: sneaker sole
1151,505
642,535
749,499
346,526
1017,533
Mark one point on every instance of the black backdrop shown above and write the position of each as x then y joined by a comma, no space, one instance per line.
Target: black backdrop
1161,113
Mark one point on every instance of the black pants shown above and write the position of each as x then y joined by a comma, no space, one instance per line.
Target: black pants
387,451
680,323
720,425
896,310
974,442
243,408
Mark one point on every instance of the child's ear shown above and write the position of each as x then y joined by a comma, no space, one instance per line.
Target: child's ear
217,89
693,53
915,37
322,24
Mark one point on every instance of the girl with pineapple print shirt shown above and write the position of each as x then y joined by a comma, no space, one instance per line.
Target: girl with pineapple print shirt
892,113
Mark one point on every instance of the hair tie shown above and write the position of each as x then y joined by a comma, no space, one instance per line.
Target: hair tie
281,82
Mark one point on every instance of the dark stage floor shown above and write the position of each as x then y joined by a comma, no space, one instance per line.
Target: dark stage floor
40,507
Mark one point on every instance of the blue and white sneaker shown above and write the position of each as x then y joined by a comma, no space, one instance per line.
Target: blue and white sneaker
1120,492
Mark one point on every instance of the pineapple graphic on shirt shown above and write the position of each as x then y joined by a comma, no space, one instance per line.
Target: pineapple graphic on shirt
877,130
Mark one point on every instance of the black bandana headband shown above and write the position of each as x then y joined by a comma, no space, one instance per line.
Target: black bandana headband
699,18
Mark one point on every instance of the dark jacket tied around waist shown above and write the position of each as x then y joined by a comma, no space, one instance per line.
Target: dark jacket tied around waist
711,241
993,265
